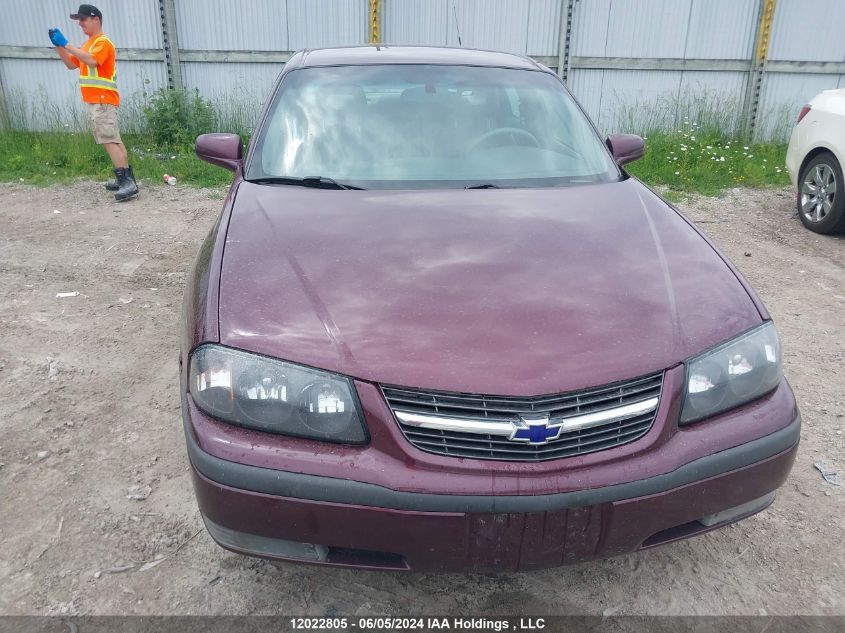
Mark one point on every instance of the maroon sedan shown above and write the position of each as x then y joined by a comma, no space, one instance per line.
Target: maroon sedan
438,327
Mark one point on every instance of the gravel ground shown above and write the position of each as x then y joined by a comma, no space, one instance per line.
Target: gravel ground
97,514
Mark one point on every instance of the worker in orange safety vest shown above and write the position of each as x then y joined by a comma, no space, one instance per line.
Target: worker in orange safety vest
97,72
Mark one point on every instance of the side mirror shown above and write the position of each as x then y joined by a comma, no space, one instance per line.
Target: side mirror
223,150
626,148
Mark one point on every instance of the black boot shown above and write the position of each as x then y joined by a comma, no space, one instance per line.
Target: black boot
127,187
113,185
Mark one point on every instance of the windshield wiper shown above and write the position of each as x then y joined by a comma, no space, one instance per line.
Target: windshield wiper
319,182
486,185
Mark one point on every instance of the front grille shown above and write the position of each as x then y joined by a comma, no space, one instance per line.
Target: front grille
478,411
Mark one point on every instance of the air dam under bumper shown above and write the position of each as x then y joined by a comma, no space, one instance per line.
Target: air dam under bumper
324,520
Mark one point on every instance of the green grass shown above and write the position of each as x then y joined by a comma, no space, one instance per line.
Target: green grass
694,161
685,162
48,157
702,151
159,129
696,145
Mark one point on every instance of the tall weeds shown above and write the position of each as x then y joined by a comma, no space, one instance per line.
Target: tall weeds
694,142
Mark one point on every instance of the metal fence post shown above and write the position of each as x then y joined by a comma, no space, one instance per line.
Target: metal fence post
375,21
564,59
5,119
758,67
170,39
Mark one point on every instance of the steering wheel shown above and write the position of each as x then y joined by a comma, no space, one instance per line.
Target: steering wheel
501,131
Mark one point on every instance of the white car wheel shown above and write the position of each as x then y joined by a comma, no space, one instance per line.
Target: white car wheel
821,203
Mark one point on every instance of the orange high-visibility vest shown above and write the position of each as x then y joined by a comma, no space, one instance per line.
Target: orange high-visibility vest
98,84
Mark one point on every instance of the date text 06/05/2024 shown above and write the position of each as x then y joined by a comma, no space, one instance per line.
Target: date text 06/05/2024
410,624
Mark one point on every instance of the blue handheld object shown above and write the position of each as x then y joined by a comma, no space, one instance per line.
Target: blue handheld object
58,38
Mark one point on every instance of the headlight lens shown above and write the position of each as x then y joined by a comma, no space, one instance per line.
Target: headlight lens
732,374
275,396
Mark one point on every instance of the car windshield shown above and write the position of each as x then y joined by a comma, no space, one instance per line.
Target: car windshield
421,126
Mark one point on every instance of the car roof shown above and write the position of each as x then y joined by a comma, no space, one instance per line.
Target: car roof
389,54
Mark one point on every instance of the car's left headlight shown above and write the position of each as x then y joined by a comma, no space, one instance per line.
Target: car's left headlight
275,396
732,374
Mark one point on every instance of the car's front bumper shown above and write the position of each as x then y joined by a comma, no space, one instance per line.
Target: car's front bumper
365,535
316,518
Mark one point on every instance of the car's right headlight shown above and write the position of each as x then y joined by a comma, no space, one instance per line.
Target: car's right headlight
732,373
275,396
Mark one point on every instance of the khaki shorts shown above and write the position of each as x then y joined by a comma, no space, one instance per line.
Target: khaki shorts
103,119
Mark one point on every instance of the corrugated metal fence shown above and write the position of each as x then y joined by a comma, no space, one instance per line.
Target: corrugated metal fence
633,64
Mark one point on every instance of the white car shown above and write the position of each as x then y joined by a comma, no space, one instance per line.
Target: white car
814,160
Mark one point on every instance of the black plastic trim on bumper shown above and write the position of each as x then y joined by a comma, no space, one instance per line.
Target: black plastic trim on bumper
331,489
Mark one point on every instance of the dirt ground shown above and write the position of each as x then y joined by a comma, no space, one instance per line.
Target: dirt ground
97,514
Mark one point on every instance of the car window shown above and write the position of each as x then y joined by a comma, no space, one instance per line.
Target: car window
412,126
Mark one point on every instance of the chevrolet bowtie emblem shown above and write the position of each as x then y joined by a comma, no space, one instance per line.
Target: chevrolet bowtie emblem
534,430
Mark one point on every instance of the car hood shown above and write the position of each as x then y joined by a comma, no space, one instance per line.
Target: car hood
502,291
